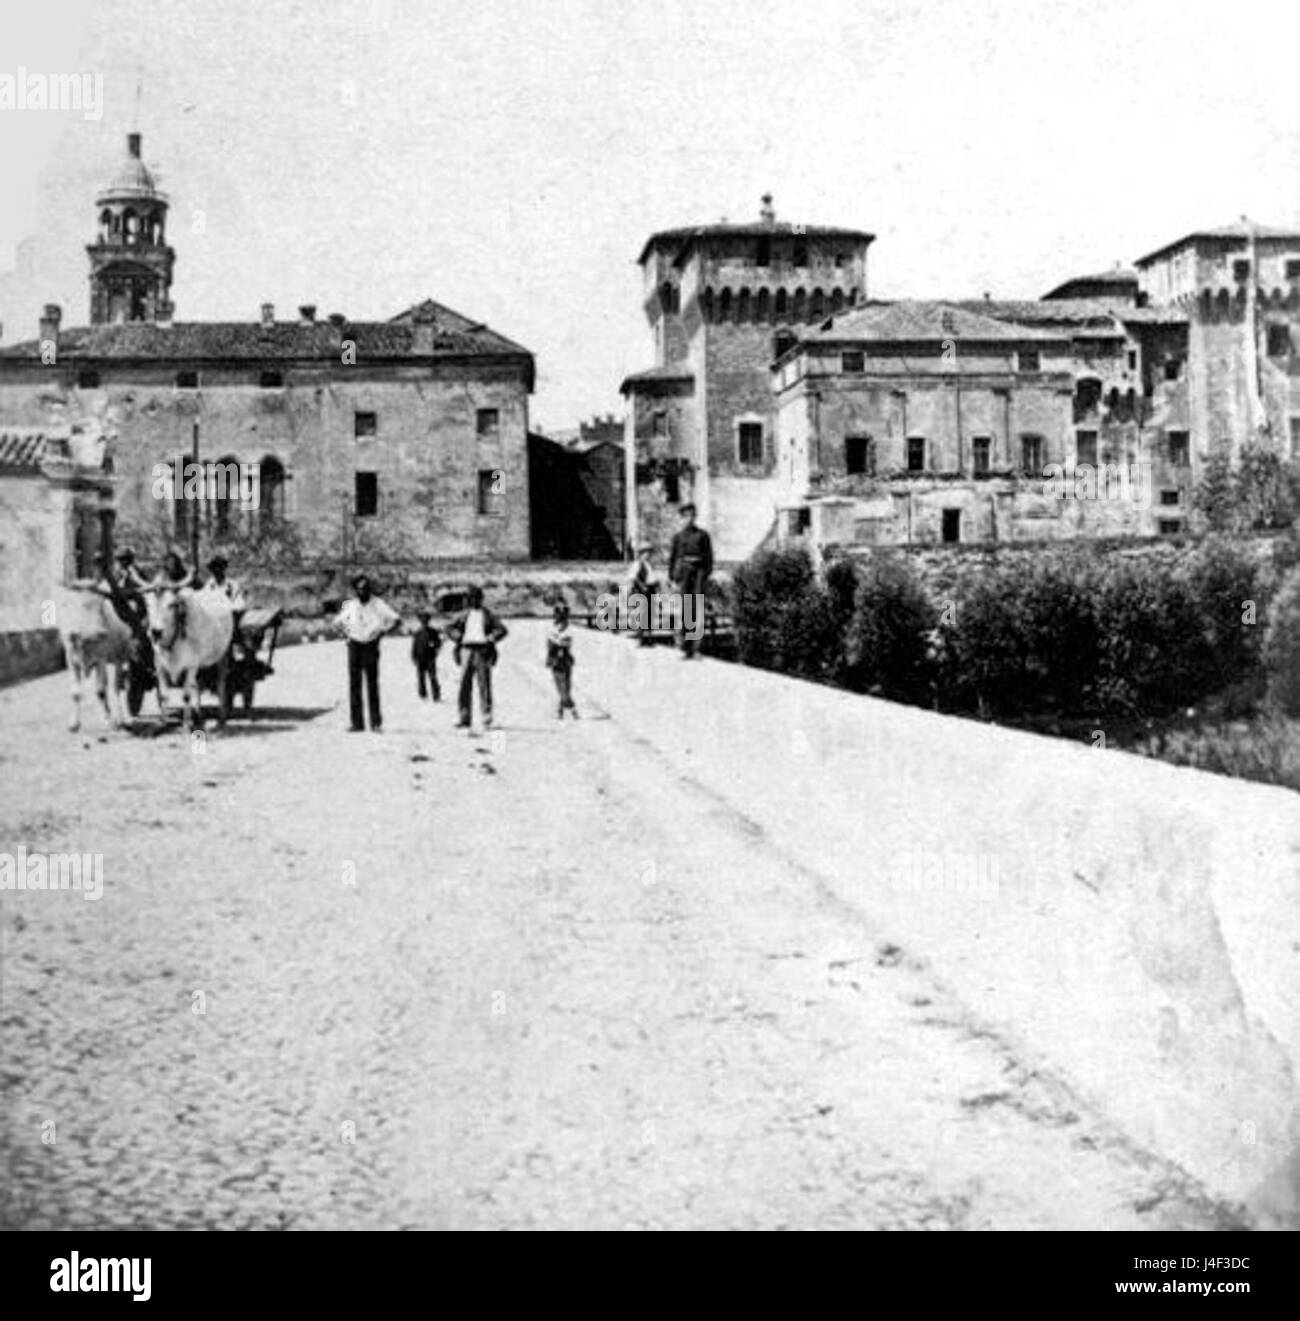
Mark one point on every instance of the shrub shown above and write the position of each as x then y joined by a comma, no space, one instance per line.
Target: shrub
1282,646
783,617
887,632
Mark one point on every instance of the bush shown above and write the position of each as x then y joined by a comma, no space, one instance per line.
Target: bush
783,616
1282,646
887,633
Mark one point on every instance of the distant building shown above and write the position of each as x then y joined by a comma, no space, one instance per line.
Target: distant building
1090,412
405,437
577,488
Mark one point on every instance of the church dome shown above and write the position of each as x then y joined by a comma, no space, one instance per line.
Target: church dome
133,178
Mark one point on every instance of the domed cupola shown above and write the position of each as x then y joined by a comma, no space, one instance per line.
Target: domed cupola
130,262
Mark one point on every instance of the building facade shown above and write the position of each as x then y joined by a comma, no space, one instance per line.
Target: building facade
405,438
1089,412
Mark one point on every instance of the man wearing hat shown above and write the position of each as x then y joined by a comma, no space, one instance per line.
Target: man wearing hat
364,619
219,583
640,592
126,590
689,567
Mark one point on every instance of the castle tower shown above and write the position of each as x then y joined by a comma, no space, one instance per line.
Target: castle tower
130,262
723,301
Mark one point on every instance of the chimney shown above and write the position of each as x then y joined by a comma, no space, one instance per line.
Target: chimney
268,315
768,214
50,319
308,313
133,145
337,322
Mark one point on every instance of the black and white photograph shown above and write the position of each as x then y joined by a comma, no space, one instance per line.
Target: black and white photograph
655,615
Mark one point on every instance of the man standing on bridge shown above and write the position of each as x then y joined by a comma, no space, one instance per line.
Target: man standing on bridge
689,566
364,620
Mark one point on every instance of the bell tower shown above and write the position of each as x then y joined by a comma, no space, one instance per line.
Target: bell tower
130,262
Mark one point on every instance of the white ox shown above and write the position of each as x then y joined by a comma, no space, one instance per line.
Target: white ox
95,638
191,631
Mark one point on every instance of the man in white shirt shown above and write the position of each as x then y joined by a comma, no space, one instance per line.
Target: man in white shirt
364,619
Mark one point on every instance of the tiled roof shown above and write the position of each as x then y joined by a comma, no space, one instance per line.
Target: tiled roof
687,236
193,341
22,448
1074,313
1161,315
1120,277
673,375
921,322
1239,232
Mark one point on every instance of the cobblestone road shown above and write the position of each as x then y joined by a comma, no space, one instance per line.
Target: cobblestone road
541,979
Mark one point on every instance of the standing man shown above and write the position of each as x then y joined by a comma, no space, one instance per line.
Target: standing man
364,619
425,645
476,632
689,566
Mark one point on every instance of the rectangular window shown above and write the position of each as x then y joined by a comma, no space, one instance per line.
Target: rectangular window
1132,360
1295,437
800,257
916,454
1085,447
764,254
1031,454
1170,526
672,487
271,380
859,456
491,491
952,525
853,362
1173,368
487,423
187,380
1180,448
87,379
1241,269
1028,360
749,441
1279,341
981,449
1293,268
1170,497
367,494
659,424
365,424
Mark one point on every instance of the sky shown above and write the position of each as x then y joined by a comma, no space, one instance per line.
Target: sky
509,157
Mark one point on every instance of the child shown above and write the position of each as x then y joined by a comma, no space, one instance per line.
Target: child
559,660
425,645
476,632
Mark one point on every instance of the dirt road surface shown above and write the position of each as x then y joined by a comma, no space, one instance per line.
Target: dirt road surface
546,977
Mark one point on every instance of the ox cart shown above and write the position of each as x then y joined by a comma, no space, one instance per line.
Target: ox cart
251,654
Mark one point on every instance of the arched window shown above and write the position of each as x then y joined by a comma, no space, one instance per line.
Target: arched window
666,298
816,306
222,495
706,304
724,305
742,307
130,225
837,300
1112,400
800,309
271,492
1222,306
763,307
105,225
782,307
1207,304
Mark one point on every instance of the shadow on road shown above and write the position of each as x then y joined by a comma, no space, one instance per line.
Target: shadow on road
242,724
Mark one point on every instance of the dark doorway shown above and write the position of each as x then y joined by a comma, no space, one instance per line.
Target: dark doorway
952,525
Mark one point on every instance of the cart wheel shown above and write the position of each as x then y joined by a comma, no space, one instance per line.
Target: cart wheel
248,695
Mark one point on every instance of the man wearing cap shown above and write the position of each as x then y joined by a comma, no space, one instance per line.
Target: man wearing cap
640,594
689,566
364,619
